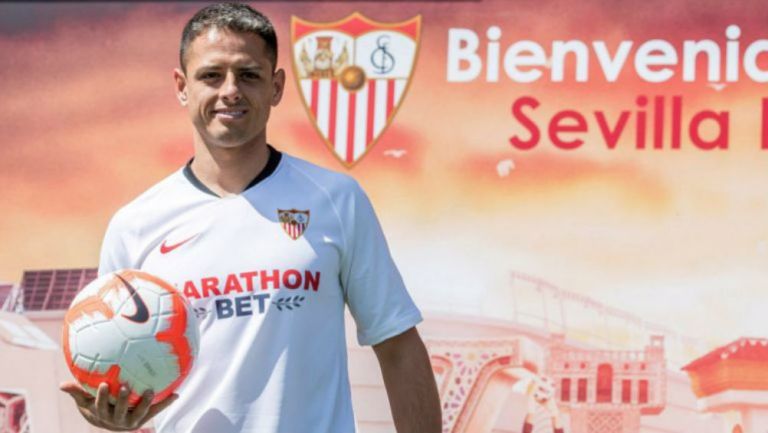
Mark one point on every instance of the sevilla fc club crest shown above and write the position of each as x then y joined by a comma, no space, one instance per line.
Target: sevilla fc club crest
294,221
353,75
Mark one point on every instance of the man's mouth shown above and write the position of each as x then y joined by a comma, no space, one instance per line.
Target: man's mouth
230,113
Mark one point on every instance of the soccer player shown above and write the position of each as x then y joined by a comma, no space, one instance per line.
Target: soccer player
269,249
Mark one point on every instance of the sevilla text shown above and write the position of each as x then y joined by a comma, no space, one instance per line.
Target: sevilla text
653,123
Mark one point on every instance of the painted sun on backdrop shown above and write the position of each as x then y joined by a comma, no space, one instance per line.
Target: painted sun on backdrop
353,75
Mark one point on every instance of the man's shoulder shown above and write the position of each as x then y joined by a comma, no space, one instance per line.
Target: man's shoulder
145,204
331,182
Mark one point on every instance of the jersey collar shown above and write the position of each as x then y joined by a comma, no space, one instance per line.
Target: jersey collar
274,160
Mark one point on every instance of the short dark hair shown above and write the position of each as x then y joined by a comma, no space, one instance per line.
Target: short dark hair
237,17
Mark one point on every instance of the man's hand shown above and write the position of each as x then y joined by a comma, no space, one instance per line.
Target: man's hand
410,383
118,417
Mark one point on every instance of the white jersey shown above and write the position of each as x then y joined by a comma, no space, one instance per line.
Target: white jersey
268,273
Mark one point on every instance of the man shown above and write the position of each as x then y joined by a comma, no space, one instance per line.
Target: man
268,249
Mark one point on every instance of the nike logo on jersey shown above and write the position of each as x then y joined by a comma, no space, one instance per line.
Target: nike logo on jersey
142,312
165,249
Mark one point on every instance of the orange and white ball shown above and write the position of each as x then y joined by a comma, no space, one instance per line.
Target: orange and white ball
130,328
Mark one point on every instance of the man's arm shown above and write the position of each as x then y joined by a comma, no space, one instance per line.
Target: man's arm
410,383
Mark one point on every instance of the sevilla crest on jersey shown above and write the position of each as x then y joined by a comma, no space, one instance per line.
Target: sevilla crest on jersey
294,221
353,75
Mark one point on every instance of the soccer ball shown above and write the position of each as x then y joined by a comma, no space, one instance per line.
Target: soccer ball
130,328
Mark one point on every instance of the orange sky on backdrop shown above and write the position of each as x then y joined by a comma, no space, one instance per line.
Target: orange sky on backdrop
89,120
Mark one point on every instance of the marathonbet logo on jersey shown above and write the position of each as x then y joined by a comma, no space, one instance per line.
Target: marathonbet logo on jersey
353,75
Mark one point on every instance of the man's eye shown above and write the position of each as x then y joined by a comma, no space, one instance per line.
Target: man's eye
250,75
209,75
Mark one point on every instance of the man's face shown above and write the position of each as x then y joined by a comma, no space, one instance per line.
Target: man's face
229,87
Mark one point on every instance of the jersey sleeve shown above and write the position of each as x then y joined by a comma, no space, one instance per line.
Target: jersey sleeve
373,287
115,249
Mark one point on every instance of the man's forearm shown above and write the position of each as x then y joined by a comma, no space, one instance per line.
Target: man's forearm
410,384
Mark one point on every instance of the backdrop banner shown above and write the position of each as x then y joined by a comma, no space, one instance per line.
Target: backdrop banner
576,193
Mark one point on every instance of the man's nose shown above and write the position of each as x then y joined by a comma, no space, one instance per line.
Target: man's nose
230,90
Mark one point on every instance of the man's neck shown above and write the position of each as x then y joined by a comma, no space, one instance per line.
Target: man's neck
228,171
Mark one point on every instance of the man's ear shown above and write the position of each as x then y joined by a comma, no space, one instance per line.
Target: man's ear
278,81
180,80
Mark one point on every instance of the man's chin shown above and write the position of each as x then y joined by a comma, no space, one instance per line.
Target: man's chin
228,144
228,138
228,141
